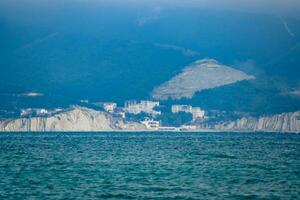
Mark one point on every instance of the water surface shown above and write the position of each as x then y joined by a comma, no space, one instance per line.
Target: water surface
149,166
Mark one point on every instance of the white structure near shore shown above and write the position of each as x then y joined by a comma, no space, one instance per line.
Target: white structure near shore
151,124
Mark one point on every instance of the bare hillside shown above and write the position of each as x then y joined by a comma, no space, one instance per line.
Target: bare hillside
200,75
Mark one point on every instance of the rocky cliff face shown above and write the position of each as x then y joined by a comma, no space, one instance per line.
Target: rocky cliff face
286,122
75,119
84,119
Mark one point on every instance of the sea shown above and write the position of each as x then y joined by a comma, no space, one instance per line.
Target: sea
154,165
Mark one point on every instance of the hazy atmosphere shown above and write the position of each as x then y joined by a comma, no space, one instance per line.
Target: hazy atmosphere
149,99
66,51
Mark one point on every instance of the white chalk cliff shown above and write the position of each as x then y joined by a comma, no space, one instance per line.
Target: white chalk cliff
75,119
85,119
285,122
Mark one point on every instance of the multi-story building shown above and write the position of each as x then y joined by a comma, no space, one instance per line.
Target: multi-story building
195,111
144,106
181,108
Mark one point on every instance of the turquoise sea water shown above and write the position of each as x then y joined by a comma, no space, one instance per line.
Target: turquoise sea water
149,166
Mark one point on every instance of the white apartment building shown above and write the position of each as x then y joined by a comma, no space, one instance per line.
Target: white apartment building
143,106
195,111
181,108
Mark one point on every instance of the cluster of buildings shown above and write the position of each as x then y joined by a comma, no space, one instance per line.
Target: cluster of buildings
149,107
130,107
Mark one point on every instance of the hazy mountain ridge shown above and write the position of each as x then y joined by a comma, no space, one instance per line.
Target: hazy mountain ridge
103,54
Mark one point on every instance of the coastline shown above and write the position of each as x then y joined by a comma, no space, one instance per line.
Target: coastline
157,131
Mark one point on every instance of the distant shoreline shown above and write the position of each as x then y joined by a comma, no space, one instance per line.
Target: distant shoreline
155,131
